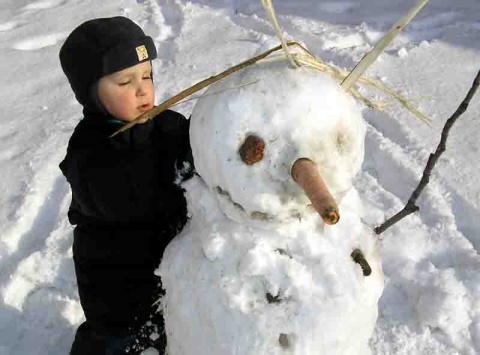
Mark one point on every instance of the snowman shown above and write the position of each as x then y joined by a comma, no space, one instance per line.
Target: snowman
275,258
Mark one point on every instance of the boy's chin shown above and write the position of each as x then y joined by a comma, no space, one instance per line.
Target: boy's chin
131,118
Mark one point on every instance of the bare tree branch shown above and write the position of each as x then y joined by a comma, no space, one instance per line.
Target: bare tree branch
411,206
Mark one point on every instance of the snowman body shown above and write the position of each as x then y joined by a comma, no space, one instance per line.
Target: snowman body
256,270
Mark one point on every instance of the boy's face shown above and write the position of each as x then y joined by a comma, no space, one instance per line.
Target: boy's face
128,93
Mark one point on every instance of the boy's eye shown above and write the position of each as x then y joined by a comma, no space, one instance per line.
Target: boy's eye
146,77
124,83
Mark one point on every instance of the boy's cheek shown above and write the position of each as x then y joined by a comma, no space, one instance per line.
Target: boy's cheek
121,108
125,104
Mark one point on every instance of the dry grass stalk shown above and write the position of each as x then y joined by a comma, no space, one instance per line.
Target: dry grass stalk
268,6
371,56
306,58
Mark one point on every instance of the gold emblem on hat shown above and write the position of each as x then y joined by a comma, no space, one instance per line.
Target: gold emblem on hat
142,52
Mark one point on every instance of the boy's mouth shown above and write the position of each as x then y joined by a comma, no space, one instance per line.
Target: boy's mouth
145,107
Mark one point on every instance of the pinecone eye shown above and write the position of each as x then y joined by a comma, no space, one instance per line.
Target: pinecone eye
252,149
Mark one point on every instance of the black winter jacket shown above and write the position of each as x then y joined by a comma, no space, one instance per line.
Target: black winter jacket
126,208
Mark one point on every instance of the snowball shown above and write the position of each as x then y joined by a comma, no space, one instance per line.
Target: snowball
299,113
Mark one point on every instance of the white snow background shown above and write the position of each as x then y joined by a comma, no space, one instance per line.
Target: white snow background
431,302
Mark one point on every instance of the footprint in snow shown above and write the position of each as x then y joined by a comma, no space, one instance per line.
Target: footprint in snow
38,42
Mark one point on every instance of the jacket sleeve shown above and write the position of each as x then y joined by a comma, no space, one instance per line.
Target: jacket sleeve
185,164
72,166
177,129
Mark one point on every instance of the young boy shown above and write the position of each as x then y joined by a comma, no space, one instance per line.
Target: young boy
125,204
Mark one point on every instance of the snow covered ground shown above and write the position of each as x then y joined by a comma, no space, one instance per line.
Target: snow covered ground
431,302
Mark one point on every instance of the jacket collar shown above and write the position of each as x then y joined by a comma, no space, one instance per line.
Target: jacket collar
108,125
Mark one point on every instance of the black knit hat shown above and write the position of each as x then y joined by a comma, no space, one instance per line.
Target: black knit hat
100,47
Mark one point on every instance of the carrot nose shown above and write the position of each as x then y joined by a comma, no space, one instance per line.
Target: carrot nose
306,175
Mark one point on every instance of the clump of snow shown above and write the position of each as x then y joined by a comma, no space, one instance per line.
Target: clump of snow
150,351
235,289
402,52
442,302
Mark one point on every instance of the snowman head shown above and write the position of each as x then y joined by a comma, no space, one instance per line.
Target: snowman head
259,146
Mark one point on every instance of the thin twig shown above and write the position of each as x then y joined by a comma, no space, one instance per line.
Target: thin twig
411,206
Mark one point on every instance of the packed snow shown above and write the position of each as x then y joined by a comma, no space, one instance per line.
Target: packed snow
297,113
270,277
430,303
289,287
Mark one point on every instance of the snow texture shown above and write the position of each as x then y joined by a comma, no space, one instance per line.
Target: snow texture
430,303
255,286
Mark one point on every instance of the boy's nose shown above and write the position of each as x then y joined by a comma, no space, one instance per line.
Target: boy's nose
142,89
